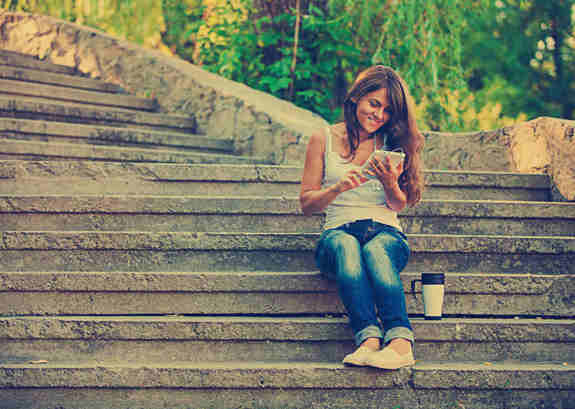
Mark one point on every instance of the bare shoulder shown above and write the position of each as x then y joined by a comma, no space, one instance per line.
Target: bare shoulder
339,134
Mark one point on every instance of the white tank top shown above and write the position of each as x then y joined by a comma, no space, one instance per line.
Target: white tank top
366,201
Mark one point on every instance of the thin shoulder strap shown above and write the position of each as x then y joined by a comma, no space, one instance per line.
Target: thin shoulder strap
327,139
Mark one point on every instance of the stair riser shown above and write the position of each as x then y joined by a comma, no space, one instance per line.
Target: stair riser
35,151
102,303
102,142
270,223
238,260
213,342
15,59
45,77
125,398
270,389
65,177
77,113
78,133
58,93
127,186
229,350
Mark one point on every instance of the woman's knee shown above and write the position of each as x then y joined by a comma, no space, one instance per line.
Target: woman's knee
343,252
385,257
389,248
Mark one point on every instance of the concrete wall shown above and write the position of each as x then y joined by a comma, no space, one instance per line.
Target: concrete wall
263,125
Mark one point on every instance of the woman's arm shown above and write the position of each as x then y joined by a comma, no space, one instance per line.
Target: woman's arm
312,197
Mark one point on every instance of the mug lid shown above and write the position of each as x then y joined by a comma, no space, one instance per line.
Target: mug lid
432,278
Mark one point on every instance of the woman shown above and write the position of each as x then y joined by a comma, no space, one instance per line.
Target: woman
362,246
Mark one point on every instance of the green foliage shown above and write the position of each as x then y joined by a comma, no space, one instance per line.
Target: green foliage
521,54
338,40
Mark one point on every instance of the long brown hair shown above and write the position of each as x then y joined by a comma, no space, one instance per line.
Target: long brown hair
401,128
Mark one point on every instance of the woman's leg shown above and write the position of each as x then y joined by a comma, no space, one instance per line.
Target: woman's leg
339,256
385,256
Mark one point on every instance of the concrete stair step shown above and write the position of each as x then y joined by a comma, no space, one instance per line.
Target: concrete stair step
114,385
33,108
206,251
35,150
90,177
15,59
269,214
266,293
149,339
50,131
45,92
9,72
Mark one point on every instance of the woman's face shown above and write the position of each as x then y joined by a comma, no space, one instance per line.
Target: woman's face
373,111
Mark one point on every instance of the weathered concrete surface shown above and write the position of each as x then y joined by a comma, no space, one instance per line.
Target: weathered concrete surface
46,77
291,375
39,150
26,129
546,144
457,283
269,214
317,339
266,205
128,398
265,293
266,260
32,108
20,60
261,125
87,177
431,243
511,149
53,92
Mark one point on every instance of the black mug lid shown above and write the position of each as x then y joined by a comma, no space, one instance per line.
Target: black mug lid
432,278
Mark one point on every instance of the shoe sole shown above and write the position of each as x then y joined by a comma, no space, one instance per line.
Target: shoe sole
354,363
391,365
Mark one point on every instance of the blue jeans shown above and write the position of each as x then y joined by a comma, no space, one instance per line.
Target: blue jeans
365,258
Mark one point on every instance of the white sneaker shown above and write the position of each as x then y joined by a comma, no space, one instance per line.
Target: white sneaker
359,357
387,358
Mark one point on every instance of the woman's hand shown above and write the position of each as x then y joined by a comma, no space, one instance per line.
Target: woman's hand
386,173
351,180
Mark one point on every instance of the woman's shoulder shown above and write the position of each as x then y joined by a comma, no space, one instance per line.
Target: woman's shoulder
336,131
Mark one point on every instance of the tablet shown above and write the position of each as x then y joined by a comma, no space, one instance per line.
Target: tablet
395,157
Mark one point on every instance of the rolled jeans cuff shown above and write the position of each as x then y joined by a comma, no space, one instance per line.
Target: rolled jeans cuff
371,331
399,332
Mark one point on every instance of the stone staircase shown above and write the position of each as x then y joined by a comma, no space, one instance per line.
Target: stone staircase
133,276
48,111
